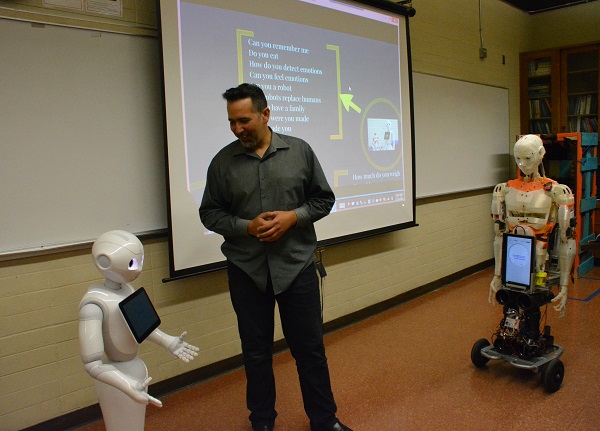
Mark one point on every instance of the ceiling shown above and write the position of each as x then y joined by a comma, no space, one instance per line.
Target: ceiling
537,6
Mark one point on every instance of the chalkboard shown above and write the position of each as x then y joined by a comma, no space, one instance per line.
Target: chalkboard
82,139
461,135
81,133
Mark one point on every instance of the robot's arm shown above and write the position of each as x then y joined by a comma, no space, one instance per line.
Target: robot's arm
499,217
175,345
92,353
564,199
498,204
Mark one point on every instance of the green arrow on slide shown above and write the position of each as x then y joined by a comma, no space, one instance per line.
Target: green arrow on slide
348,103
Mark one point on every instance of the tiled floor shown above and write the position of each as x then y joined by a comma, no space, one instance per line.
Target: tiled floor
409,368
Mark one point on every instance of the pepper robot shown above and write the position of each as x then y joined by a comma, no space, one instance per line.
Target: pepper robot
535,207
108,347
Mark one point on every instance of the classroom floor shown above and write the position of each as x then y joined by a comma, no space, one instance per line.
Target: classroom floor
409,368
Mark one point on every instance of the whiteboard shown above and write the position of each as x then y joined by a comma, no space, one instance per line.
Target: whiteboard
461,135
81,135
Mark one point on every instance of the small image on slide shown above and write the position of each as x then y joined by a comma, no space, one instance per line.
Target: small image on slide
382,134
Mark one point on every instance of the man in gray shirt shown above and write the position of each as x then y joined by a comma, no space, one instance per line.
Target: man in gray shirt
264,192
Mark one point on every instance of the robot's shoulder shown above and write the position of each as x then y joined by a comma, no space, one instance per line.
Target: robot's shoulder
561,188
97,295
104,297
562,194
500,188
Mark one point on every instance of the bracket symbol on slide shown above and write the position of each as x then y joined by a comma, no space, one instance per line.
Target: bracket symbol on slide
344,99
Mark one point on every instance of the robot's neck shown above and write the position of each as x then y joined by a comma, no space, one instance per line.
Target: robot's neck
533,177
112,284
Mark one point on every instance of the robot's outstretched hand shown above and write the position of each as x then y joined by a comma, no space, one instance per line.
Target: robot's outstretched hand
561,300
183,350
494,287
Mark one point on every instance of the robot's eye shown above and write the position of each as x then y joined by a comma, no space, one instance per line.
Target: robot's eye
133,264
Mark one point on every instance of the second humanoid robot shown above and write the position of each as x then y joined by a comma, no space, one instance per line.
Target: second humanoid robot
540,208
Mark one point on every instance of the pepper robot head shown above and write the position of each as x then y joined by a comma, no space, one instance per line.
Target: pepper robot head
118,255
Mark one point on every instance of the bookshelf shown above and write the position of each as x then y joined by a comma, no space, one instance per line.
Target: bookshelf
540,92
559,90
580,68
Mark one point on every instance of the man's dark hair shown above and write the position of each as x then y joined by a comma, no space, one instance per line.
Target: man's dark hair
242,91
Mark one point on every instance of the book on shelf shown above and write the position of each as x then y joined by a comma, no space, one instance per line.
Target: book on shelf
538,90
540,127
539,68
539,108
583,105
586,124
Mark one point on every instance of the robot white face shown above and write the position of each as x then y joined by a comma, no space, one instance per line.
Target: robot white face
529,151
118,255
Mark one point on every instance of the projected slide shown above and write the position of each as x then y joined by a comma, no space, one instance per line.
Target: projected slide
338,92
335,73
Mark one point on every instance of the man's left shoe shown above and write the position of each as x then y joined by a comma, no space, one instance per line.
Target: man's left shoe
340,427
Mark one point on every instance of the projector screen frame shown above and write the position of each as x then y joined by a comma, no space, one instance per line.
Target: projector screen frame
178,273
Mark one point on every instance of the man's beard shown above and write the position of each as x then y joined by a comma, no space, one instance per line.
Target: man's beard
250,145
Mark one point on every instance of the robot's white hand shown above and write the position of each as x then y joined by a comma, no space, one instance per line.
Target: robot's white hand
183,350
561,300
494,287
139,392
149,399
135,389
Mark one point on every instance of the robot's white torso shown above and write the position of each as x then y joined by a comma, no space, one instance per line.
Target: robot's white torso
119,344
533,203
528,207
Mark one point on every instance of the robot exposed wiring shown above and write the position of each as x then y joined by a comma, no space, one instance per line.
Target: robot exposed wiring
108,347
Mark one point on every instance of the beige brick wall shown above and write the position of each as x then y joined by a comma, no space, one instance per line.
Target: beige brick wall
41,375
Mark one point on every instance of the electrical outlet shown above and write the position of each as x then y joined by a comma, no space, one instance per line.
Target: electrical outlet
482,53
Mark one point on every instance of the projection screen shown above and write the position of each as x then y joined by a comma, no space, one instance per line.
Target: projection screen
336,74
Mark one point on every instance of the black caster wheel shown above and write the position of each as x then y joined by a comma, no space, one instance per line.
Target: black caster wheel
552,375
476,357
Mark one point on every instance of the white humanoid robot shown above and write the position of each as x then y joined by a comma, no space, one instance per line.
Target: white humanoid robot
108,347
389,137
534,225
535,205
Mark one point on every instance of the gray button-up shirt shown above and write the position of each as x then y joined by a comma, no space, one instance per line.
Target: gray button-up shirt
240,185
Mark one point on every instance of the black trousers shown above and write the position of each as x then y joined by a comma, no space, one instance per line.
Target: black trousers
300,312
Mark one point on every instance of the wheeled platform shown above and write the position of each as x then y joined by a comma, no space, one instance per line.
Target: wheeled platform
551,368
